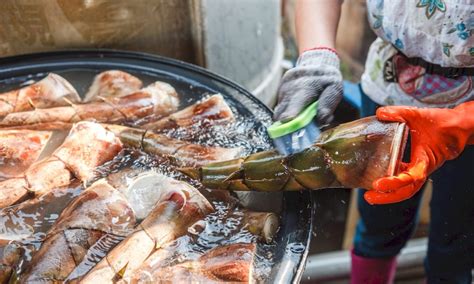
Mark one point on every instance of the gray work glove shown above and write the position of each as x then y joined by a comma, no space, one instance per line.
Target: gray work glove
315,77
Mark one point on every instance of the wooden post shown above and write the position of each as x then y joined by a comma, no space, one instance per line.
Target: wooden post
354,35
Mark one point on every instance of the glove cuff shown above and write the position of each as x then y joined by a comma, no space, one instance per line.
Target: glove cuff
319,57
466,119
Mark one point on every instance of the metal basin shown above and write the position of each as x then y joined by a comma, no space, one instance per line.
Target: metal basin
191,82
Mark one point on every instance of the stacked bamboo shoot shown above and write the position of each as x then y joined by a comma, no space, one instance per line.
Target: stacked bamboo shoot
351,155
120,223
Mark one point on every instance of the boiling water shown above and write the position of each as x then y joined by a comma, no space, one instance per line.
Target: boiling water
26,225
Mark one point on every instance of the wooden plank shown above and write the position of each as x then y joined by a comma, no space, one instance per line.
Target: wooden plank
351,223
156,26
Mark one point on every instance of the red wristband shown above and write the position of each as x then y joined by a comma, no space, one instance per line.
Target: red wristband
322,48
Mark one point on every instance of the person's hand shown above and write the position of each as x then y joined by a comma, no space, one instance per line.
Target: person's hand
315,77
437,135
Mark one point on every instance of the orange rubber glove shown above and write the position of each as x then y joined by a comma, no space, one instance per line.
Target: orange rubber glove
437,135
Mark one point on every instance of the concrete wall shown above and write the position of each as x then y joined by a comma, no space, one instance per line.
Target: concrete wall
241,40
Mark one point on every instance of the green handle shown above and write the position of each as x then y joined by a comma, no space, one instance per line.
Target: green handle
279,129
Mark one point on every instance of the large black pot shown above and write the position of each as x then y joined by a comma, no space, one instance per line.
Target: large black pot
79,67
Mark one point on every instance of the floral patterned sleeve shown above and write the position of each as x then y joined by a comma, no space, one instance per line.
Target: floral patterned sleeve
438,31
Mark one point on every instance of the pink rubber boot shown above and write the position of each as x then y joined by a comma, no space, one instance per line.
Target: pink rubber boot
372,270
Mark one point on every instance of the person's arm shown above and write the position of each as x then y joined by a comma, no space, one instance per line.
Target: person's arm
437,135
316,76
316,23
